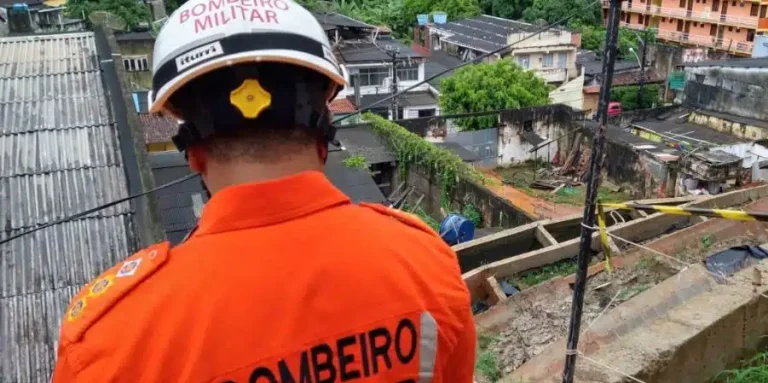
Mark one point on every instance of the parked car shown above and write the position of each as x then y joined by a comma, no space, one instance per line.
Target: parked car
614,108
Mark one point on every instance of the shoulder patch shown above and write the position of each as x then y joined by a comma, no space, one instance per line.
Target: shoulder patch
404,217
99,295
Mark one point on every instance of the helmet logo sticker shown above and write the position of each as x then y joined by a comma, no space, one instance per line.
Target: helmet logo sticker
212,14
250,98
197,55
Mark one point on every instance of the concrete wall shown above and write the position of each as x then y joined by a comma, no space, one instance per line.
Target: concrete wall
495,210
738,91
549,122
138,48
640,174
739,129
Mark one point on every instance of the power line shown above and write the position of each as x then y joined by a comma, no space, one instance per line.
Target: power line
97,208
476,59
368,107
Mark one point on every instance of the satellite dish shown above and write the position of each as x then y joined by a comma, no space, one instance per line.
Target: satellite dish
107,19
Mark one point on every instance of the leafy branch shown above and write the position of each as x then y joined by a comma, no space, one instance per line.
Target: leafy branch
412,151
356,162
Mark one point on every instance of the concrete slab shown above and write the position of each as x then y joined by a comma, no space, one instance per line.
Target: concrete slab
544,237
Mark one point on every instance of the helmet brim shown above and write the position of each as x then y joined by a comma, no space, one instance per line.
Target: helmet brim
301,59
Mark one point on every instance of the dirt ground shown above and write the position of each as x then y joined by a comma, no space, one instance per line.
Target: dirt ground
542,313
538,208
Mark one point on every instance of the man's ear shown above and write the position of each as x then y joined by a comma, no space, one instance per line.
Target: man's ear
197,159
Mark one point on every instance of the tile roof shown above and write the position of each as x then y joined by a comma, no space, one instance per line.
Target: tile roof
463,153
483,33
158,128
355,183
331,20
365,51
342,106
361,140
59,154
421,98
439,61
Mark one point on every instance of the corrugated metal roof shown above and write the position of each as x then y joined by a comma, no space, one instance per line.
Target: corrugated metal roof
59,155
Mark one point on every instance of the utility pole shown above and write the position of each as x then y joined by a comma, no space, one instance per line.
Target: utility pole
642,71
593,181
393,53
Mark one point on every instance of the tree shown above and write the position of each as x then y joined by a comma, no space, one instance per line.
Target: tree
551,11
508,9
487,87
593,38
130,11
627,96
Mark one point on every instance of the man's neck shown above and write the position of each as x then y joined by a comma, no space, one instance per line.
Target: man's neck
221,175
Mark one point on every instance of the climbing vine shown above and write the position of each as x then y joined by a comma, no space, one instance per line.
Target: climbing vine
357,162
413,151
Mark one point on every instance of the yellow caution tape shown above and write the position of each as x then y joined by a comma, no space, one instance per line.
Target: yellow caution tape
738,215
604,237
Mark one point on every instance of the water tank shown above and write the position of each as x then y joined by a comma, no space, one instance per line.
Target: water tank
456,229
440,17
422,19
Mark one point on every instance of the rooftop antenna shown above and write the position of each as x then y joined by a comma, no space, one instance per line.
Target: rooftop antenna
107,19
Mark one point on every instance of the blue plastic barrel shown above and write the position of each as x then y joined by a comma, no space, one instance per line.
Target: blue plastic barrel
422,19
456,229
440,17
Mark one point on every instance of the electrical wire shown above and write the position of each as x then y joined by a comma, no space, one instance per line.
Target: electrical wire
476,59
366,108
97,208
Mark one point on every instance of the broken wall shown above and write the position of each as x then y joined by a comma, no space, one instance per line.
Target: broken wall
548,122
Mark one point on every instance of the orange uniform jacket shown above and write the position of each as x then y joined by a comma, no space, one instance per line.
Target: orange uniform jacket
284,281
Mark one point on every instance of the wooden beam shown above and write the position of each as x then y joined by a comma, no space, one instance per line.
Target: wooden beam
495,293
544,237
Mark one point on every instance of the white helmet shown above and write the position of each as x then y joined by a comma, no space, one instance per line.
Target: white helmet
204,35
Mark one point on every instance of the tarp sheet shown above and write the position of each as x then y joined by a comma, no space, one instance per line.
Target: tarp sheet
728,262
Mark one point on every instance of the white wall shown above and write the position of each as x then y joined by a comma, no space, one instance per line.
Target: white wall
513,149
571,93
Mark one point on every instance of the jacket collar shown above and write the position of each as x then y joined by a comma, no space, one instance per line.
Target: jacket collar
267,203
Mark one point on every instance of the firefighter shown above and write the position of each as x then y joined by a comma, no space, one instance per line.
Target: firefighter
284,279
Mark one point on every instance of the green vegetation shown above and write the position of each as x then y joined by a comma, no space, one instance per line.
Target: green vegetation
508,9
593,38
399,15
130,11
472,214
627,96
487,87
754,370
486,363
533,277
413,151
552,11
521,175
357,162
419,212
706,241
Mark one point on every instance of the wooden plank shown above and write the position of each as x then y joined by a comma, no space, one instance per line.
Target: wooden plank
494,291
544,237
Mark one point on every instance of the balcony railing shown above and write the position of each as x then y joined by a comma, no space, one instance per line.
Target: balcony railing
707,15
736,46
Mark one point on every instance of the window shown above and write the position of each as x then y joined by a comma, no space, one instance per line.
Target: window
753,11
524,61
135,63
547,61
373,76
741,4
712,29
751,35
695,24
408,73
562,60
762,10
682,3
663,19
730,29
639,18
733,3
